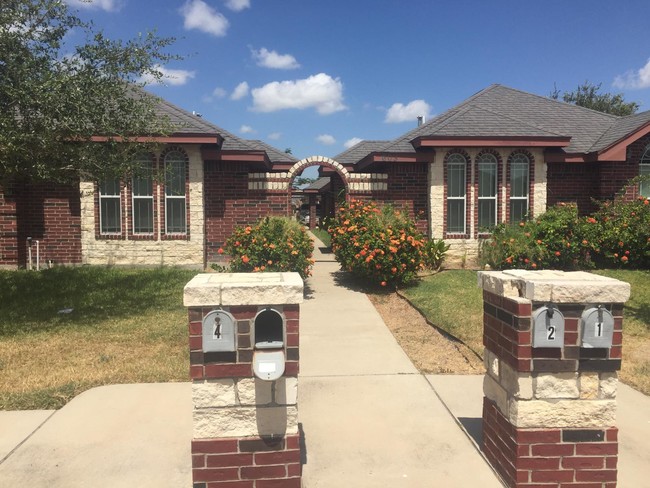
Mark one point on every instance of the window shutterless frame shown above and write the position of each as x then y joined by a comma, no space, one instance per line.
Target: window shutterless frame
142,197
644,170
110,207
175,198
456,194
487,192
519,187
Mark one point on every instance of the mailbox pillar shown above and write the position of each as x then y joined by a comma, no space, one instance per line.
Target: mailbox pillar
245,427
550,389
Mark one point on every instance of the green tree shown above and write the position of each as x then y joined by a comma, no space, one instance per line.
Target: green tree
587,95
56,98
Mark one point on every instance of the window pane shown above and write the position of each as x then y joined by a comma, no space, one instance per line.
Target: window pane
644,186
109,187
456,216
174,174
143,215
110,215
487,214
487,179
519,176
143,182
456,179
518,210
175,215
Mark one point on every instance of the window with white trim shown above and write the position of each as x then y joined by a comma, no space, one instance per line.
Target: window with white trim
110,208
142,196
175,198
486,165
644,170
456,193
519,186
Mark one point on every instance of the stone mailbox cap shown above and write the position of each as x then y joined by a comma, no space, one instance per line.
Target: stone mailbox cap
209,289
555,286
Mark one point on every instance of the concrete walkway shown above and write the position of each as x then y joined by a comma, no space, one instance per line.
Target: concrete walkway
369,418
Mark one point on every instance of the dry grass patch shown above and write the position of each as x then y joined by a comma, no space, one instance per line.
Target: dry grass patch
126,326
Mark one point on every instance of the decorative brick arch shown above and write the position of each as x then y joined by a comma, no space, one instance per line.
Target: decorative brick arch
319,161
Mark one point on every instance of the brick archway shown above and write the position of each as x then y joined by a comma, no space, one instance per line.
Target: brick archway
326,201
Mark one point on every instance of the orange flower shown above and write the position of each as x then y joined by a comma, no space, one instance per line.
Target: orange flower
220,251
585,242
383,283
269,262
245,259
534,265
558,253
624,259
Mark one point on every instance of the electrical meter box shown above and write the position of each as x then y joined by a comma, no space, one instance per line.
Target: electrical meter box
548,327
597,327
219,332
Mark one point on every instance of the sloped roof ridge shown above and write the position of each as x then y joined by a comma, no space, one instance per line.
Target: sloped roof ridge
571,106
450,112
598,144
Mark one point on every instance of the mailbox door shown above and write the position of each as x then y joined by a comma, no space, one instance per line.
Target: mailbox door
219,332
548,327
597,328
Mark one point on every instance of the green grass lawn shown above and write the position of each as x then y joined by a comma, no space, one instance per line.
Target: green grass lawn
452,301
121,326
323,235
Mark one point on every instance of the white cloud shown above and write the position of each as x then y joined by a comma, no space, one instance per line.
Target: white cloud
634,79
174,77
238,5
274,136
107,5
352,142
240,91
199,15
274,60
320,91
326,139
399,112
247,129
219,92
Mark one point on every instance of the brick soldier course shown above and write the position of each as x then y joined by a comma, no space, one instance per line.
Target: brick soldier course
549,413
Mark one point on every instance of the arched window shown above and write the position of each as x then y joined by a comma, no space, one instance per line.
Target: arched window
519,183
644,170
175,198
456,193
486,169
142,196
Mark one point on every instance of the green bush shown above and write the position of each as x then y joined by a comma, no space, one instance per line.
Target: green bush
274,244
552,241
381,245
619,233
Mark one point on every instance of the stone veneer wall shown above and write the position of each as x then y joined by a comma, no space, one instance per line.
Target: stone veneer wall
549,414
468,248
148,251
245,429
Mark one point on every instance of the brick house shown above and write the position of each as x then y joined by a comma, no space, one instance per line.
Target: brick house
504,154
498,156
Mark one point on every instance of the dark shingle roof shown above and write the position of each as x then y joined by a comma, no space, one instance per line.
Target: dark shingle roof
502,111
187,123
621,128
319,184
359,151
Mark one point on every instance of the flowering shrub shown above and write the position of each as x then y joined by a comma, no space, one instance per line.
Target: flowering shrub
553,240
619,233
381,245
274,244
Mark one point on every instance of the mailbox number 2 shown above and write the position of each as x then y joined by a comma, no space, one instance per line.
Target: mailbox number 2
550,333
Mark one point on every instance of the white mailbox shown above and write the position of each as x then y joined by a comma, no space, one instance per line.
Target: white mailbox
548,327
219,332
268,354
597,327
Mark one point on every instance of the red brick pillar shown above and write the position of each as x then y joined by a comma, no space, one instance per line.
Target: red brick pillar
8,229
244,367
550,394
313,215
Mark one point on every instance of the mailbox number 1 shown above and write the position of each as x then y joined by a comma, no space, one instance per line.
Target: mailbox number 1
599,329
551,333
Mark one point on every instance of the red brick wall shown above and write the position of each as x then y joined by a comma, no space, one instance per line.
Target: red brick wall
48,213
549,457
229,203
8,228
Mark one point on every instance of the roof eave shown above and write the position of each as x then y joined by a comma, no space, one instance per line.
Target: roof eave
617,151
490,141
170,139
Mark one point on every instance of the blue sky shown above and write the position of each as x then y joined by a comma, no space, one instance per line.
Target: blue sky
316,75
